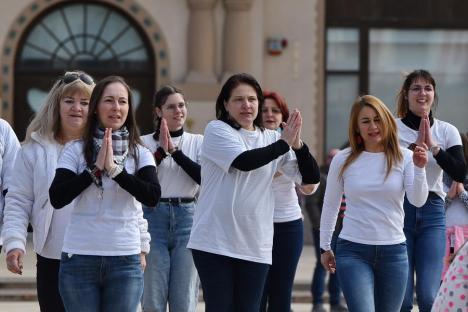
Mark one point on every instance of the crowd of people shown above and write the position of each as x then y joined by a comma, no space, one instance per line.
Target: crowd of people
120,219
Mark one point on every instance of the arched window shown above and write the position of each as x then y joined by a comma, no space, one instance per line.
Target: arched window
92,37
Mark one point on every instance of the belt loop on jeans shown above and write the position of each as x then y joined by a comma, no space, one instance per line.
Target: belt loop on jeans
177,200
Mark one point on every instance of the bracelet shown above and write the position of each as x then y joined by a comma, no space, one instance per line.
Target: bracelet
173,150
159,155
434,148
96,175
114,171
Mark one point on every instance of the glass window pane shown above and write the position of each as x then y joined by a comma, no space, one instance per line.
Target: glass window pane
115,24
394,53
342,49
341,92
84,32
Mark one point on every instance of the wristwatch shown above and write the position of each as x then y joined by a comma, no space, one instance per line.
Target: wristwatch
412,146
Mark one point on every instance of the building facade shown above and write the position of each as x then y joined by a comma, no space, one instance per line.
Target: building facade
194,44
320,54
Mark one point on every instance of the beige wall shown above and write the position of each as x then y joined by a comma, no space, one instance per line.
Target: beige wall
296,74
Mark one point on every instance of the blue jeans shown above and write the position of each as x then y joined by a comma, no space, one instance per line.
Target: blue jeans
318,279
170,275
288,240
425,236
372,277
100,284
230,284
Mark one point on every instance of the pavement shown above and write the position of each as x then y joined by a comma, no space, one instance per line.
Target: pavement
18,293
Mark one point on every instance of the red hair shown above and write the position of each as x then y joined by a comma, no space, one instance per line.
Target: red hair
282,105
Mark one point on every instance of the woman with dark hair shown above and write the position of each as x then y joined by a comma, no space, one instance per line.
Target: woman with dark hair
60,120
170,276
425,228
371,259
232,233
287,217
108,172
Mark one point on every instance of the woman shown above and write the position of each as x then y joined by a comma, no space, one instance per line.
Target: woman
107,172
456,210
374,173
287,217
231,238
9,147
425,228
170,275
61,119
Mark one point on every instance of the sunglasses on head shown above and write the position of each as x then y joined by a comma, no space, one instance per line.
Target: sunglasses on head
69,78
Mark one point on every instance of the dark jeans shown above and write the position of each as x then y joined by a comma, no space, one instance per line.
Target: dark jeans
287,247
47,273
230,284
318,279
425,236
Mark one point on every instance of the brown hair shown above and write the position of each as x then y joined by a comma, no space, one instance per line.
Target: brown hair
93,122
402,97
389,132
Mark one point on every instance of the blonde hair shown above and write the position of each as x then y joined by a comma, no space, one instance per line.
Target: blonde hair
388,128
47,120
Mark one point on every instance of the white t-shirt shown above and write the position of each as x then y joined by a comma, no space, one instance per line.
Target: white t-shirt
175,182
109,226
286,203
234,213
374,205
446,136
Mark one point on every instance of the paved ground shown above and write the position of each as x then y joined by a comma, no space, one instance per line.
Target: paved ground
301,282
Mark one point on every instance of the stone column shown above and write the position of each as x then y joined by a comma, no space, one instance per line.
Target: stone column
201,42
237,39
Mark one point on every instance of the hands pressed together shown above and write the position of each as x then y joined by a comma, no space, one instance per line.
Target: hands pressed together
165,140
105,157
292,130
424,142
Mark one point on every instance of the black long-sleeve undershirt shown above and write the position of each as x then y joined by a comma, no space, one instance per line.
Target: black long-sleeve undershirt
67,185
189,166
308,166
452,161
258,157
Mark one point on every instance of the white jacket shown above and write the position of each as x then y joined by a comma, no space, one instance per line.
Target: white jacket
9,147
27,199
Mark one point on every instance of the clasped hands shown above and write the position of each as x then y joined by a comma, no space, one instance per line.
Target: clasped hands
292,130
105,157
165,140
424,142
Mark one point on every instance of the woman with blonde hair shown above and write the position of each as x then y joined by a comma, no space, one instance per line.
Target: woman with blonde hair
60,120
374,173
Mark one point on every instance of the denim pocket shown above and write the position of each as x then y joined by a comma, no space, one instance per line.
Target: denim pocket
131,259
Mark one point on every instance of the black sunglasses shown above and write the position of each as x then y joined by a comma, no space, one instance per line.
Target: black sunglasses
69,78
